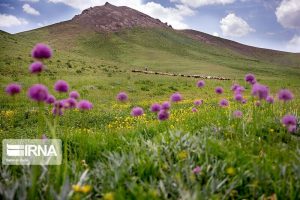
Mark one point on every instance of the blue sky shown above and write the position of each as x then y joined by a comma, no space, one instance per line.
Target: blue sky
271,24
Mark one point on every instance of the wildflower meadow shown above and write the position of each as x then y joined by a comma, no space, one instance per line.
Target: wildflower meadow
128,136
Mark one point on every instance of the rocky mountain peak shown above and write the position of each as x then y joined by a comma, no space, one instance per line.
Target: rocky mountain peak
110,18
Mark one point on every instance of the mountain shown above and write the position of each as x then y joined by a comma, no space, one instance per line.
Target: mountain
113,18
130,39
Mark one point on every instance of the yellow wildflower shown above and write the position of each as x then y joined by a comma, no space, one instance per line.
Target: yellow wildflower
182,155
76,188
108,196
86,188
230,171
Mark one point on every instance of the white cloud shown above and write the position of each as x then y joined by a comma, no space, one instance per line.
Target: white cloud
294,44
174,16
216,34
11,20
30,10
232,25
6,5
171,15
199,3
288,13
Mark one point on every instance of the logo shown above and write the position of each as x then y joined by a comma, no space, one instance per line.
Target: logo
31,152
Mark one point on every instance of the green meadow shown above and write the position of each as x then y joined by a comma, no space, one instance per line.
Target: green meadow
109,154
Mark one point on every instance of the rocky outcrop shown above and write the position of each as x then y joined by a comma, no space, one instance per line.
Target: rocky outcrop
110,18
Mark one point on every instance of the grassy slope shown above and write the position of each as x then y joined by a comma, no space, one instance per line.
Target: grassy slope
158,49
144,159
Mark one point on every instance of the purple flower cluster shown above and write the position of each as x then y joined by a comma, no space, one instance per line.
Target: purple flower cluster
197,170
194,110
51,99
237,114
137,111
163,115
61,86
84,105
238,97
200,84
13,89
198,102
176,97
290,121
122,96
36,67
219,90
41,51
270,99
38,92
224,103
285,95
166,105
238,92
250,78
74,95
260,91
156,107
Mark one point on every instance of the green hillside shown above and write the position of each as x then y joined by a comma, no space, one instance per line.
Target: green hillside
158,49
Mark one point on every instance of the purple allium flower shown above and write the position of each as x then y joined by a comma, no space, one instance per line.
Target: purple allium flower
57,111
289,120
163,115
285,95
239,90
234,87
224,103
292,129
200,84
176,97
13,89
36,67
59,104
137,111
50,99
74,94
238,97
64,103
84,105
166,105
237,114
244,101
270,99
38,92
219,90
261,91
250,78
70,103
257,103
194,110
61,86
41,51
122,96
198,102
44,137
155,107
197,170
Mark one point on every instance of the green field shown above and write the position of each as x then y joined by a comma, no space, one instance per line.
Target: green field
109,154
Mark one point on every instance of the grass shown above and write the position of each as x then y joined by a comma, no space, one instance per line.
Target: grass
110,155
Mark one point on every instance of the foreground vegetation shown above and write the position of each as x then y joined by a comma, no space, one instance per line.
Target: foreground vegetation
109,154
